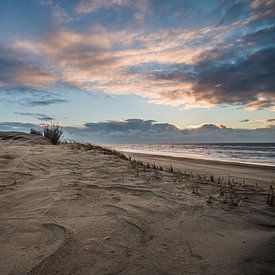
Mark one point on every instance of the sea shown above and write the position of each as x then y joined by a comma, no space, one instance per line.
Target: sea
251,153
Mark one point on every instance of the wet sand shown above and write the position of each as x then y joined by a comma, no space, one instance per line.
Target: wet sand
75,209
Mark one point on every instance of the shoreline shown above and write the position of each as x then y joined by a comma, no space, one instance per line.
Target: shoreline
203,160
261,155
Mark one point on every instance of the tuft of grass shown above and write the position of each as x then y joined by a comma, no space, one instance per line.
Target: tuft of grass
195,189
208,201
271,196
270,199
53,132
170,169
157,175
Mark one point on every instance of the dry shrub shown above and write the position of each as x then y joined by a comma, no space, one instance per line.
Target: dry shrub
53,132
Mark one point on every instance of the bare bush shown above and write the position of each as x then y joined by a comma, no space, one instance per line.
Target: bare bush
53,132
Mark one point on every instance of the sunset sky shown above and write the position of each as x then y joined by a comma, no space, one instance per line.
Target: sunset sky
182,62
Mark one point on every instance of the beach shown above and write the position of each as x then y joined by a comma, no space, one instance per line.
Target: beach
250,173
83,209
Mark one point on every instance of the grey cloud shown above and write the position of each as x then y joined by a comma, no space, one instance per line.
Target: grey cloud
241,82
45,102
138,130
131,125
39,116
233,10
19,71
264,36
174,75
22,82
17,126
270,120
9,62
155,71
30,97
238,71
245,120
264,10
130,130
227,80
261,104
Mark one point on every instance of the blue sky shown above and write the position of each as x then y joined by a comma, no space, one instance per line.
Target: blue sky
179,62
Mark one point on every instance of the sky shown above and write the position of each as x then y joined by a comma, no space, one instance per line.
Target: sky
149,65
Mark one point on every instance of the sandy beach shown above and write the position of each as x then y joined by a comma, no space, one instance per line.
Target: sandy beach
251,173
81,209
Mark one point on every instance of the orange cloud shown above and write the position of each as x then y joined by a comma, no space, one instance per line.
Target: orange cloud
257,3
90,6
33,78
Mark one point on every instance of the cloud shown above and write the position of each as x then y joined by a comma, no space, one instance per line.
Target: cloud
59,14
249,81
207,127
257,3
270,120
234,10
264,36
139,7
38,116
130,130
90,6
45,102
223,64
17,72
139,130
131,125
260,104
17,126
80,59
245,120
30,97
264,121
26,80
264,9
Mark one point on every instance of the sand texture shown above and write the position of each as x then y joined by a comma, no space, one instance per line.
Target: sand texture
75,209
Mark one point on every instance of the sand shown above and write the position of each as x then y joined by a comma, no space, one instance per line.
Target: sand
250,173
72,209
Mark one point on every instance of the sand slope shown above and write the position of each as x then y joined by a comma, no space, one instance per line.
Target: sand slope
69,210
249,173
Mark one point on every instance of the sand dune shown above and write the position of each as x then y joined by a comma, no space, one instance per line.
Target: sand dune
73,209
